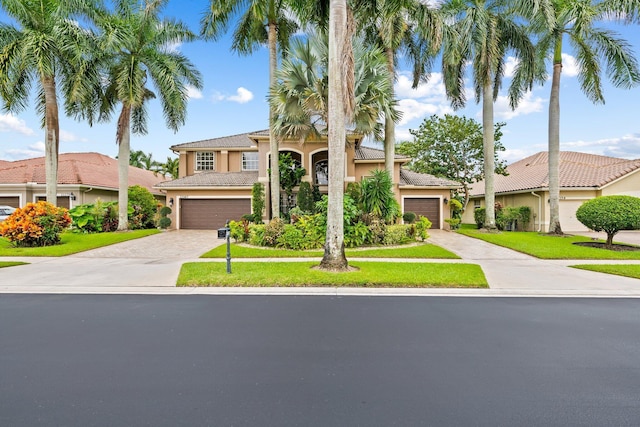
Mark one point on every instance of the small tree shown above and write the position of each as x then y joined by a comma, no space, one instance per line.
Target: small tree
377,196
610,214
257,202
305,198
451,147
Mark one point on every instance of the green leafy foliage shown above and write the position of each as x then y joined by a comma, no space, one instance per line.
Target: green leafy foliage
422,226
144,207
451,147
257,202
36,224
610,214
377,196
398,234
95,217
239,230
305,198
409,217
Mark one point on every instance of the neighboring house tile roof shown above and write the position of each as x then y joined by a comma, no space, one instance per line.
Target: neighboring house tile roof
213,179
577,170
408,177
242,140
88,169
368,153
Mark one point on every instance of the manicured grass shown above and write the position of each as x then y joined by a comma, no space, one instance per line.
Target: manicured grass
627,270
425,250
71,243
11,263
301,274
548,247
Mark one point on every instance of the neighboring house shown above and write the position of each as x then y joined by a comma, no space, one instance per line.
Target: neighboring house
582,177
217,176
82,178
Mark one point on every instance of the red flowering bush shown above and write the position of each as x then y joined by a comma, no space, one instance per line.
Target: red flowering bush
37,224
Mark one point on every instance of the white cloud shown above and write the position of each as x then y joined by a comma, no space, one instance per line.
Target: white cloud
527,105
569,65
172,47
33,150
242,96
427,99
626,146
510,66
10,123
71,137
193,93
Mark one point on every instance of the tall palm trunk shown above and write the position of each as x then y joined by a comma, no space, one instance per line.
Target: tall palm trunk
273,139
124,149
390,127
334,257
52,138
554,142
489,153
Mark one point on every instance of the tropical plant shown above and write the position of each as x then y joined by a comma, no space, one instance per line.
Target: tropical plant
259,22
610,214
481,33
136,51
36,224
422,226
576,20
94,217
291,174
46,48
452,147
169,168
143,207
377,196
257,202
407,28
305,197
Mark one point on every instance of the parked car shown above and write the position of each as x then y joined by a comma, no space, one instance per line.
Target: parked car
5,211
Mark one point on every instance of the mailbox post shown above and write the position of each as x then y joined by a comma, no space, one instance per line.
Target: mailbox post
225,233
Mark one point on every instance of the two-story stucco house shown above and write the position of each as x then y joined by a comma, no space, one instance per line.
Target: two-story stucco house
217,176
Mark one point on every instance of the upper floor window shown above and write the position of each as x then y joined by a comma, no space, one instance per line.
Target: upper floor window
205,161
249,160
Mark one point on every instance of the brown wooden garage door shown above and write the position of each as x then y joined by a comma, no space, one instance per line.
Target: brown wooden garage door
12,201
211,214
429,207
62,201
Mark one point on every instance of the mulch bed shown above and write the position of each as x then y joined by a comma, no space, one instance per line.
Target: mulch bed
616,246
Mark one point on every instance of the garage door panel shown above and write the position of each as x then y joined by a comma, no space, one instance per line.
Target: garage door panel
427,207
211,214
13,201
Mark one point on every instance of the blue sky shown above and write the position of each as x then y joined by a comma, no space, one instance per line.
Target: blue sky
233,101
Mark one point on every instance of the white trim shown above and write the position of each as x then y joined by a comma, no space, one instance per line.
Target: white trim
440,203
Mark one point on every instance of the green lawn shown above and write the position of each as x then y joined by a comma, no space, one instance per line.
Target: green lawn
10,263
72,243
300,274
627,270
425,250
548,247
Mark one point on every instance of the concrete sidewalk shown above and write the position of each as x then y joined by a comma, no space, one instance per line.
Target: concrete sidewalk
151,265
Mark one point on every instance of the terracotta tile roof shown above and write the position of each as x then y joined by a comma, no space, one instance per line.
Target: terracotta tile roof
577,170
408,177
88,169
214,179
368,153
242,140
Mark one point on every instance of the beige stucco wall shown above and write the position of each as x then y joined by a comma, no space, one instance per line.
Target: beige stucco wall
629,185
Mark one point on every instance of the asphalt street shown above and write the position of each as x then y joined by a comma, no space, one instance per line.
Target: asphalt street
140,360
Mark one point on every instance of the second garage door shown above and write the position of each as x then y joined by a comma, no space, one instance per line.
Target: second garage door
211,214
13,201
428,207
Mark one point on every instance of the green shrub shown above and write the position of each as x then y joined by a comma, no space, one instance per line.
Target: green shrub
291,238
354,190
409,217
479,215
164,222
454,223
356,235
377,196
273,231
257,202
610,214
144,207
164,211
239,230
524,217
455,207
422,226
36,224
313,228
305,198
397,234
256,234
95,217
377,230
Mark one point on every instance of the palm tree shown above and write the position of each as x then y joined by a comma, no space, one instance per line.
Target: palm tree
46,48
170,168
406,27
482,33
302,104
577,19
261,21
140,53
136,158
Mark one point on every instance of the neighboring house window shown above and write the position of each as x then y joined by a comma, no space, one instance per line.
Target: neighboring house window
476,204
205,161
249,160
322,172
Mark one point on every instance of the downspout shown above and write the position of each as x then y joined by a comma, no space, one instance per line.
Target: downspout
539,209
